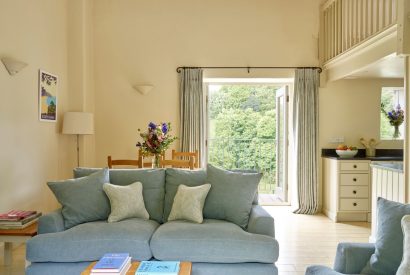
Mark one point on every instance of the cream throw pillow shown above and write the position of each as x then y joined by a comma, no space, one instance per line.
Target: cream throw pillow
126,201
189,203
404,268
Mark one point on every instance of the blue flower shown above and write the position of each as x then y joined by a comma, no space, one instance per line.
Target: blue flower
164,128
152,126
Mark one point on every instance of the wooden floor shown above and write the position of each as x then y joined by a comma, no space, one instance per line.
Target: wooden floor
303,240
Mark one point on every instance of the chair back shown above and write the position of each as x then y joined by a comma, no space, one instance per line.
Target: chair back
125,162
187,155
177,163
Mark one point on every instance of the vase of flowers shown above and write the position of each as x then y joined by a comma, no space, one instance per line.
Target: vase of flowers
155,141
396,118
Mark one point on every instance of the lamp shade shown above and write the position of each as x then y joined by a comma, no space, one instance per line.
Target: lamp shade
78,123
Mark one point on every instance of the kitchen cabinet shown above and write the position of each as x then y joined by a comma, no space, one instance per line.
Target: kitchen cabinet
346,189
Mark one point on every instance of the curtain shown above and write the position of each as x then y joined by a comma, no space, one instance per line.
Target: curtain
192,130
305,132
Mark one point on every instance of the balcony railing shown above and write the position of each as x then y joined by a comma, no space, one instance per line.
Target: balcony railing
347,23
256,154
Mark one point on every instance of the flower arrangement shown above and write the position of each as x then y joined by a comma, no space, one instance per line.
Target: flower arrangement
156,140
395,117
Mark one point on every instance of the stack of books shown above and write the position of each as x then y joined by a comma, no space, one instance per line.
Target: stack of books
158,268
17,219
112,264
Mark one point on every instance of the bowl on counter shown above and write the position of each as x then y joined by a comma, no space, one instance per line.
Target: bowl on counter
346,153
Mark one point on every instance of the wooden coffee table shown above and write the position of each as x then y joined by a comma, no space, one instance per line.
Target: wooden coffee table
184,268
10,236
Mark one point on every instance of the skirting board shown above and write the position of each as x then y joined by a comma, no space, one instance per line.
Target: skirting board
346,216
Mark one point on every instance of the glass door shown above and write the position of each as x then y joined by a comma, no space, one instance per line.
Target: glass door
282,98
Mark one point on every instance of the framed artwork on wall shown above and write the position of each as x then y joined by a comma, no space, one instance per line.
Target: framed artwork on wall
47,85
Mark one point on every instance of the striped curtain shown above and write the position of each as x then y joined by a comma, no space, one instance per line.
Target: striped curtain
192,130
305,131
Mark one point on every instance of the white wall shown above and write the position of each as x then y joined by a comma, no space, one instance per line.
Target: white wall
32,152
144,42
351,109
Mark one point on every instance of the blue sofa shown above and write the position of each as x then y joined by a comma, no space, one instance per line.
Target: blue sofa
214,247
351,258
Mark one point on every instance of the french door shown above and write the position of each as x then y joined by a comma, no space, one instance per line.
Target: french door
282,98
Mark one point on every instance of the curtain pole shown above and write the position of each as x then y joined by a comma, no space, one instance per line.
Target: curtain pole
179,69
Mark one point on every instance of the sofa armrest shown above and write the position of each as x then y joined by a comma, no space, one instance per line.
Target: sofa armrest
351,258
260,222
51,222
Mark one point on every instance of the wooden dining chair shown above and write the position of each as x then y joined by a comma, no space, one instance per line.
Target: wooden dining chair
185,155
177,163
123,162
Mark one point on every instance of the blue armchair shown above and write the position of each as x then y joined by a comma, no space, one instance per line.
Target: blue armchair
351,258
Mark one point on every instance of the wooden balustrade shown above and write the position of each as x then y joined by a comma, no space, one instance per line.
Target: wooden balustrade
347,23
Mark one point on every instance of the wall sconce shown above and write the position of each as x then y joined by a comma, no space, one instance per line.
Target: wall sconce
13,66
143,89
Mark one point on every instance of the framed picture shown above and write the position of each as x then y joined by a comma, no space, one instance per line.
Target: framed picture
47,86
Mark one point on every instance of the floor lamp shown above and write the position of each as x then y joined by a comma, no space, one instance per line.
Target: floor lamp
78,123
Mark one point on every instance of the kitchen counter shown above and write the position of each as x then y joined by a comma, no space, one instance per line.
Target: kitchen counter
396,167
381,155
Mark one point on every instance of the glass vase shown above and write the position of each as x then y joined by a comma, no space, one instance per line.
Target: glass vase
396,133
155,161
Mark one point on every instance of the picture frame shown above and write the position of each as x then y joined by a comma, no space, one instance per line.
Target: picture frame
47,89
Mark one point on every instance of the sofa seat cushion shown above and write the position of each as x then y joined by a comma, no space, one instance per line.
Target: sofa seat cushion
213,241
90,241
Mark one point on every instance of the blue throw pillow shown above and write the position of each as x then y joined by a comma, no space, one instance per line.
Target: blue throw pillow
82,199
231,195
389,242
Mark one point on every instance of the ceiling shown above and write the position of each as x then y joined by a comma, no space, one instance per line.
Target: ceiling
391,66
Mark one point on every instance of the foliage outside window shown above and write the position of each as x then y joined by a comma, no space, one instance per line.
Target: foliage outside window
391,98
242,129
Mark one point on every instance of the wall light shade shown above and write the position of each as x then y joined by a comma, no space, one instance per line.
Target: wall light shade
78,123
143,89
13,66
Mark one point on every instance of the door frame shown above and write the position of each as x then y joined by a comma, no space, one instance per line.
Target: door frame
279,82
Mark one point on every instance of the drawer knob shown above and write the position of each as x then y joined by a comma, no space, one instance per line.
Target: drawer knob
354,191
355,166
354,204
354,179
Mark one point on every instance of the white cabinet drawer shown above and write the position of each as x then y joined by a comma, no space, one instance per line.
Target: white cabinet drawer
354,192
354,204
354,179
354,166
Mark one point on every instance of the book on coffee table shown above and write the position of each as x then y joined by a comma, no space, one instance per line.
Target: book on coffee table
158,268
112,263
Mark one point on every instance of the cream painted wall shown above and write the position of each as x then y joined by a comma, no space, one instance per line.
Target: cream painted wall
32,152
144,41
351,109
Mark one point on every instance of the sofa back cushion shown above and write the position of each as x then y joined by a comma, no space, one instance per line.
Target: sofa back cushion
175,177
83,199
153,182
231,195
389,241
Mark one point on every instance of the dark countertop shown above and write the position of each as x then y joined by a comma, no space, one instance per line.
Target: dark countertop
381,155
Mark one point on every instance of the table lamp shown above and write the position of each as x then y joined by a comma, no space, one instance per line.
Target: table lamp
78,123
